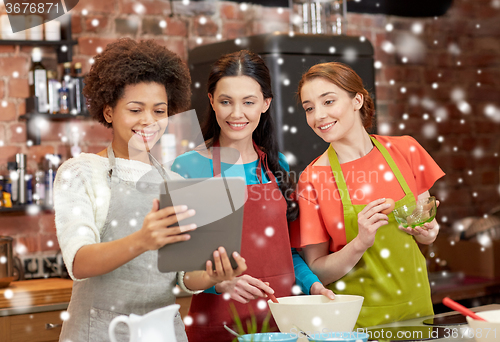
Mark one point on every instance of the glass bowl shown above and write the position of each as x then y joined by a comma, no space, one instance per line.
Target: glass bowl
422,211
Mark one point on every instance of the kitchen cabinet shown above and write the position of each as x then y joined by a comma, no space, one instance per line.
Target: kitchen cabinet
35,327
30,310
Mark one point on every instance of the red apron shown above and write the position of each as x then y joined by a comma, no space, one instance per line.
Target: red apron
268,257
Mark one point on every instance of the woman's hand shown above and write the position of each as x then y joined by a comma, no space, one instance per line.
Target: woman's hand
319,289
426,234
370,219
156,231
201,280
244,289
223,268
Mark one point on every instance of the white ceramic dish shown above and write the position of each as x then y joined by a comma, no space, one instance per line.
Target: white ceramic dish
316,314
485,331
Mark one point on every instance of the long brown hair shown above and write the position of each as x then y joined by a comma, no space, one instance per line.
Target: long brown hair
246,63
345,78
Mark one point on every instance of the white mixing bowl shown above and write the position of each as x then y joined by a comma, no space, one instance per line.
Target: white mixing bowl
485,331
316,313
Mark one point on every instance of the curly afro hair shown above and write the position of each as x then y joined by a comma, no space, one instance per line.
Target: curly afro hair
127,62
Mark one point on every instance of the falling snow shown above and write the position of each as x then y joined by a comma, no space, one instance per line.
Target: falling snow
188,320
8,294
411,47
492,112
340,285
388,47
64,315
385,253
429,130
296,290
316,321
417,28
290,158
454,49
388,176
350,55
269,231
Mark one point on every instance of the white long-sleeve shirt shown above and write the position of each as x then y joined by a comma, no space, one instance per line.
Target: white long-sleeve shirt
81,199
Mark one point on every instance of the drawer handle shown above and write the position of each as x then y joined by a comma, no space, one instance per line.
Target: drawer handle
50,326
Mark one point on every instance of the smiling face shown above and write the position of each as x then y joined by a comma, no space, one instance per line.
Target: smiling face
139,118
330,110
238,103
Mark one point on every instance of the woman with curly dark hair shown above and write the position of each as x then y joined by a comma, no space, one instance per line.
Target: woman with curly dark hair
107,228
239,89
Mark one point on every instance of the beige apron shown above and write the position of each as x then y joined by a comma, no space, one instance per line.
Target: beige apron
136,287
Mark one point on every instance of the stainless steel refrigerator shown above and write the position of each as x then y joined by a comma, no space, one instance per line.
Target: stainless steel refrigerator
287,57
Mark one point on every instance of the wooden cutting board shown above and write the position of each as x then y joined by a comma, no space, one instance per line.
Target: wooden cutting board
34,292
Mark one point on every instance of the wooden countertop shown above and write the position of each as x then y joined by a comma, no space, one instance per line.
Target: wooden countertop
464,288
36,293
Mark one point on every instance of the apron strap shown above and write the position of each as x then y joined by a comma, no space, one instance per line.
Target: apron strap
262,161
393,166
339,176
112,164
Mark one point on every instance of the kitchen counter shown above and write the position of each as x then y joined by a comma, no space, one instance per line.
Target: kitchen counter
37,295
459,330
464,288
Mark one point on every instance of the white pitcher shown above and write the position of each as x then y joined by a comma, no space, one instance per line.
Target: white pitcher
155,326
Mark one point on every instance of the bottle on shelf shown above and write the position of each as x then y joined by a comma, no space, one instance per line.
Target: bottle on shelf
39,188
37,78
2,184
70,84
52,162
28,179
21,171
81,105
53,85
12,185
63,99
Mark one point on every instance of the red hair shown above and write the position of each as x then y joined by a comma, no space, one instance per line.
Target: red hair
345,78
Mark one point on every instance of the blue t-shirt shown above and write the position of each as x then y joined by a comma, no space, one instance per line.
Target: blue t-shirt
194,165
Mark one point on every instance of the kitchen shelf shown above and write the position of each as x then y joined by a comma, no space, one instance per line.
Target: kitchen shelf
29,116
63,47
32,129
38,42
22,209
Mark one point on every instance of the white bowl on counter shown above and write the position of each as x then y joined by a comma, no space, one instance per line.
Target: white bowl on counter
485,331
316,313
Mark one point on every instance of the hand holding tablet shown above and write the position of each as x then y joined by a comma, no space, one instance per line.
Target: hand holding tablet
219,204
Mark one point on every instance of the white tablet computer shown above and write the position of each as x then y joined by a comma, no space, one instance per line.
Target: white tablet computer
219,204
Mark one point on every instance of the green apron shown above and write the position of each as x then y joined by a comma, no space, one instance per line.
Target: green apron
392,274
